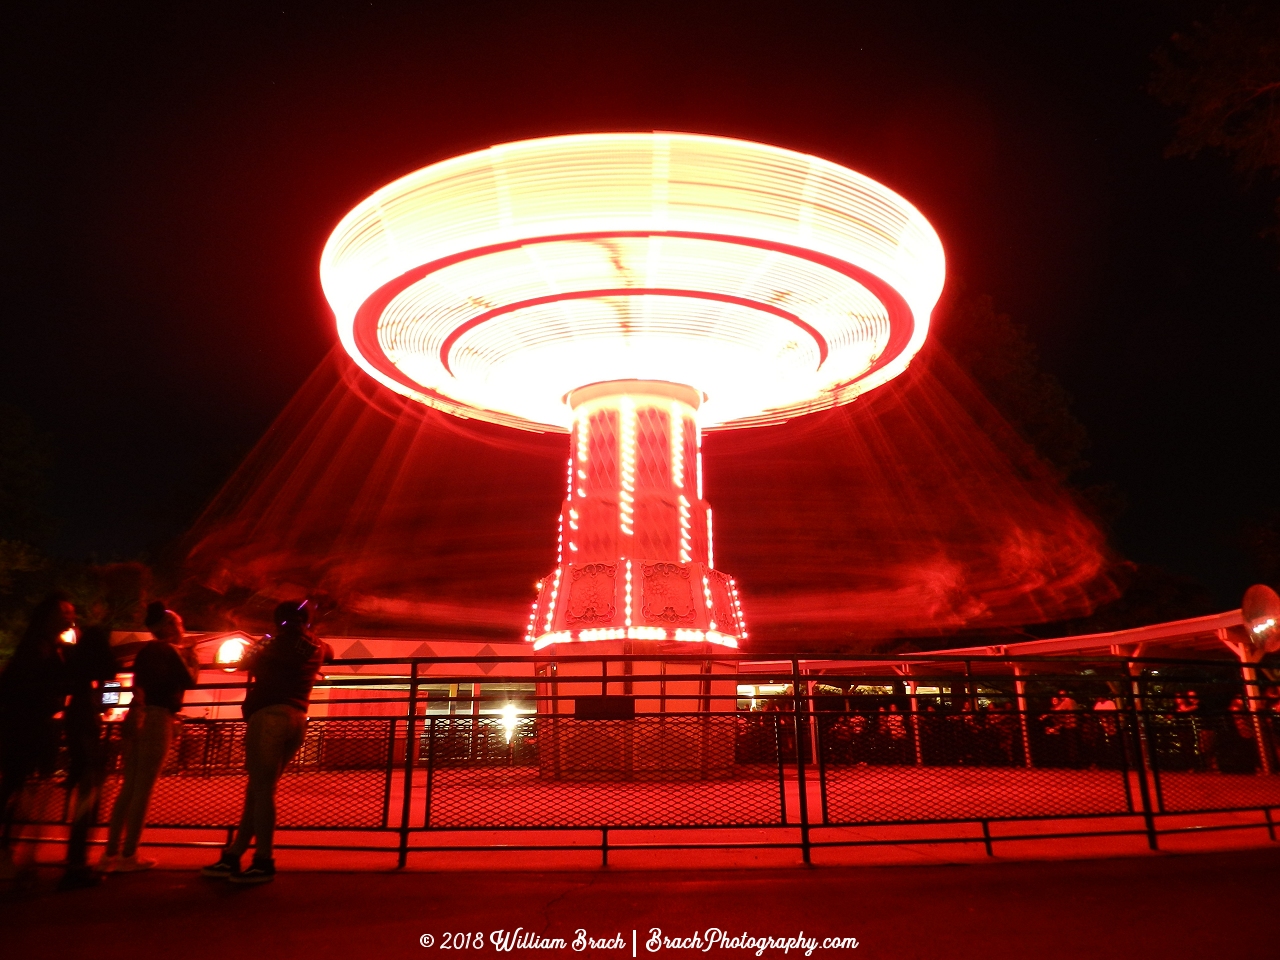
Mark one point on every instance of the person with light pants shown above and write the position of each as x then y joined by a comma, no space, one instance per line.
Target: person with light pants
282,670
163,670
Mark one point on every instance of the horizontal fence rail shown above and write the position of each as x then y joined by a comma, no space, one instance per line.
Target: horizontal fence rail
778,753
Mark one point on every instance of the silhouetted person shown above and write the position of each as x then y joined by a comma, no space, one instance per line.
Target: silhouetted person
1063,725
1105,732
282,670
33,688
894,725
164,669
1238,749
1270,717
1189,708
1004,729
91,664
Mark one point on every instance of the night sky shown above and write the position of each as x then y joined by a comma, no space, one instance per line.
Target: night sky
171,175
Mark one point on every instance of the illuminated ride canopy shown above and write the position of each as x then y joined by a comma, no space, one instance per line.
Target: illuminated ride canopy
633,290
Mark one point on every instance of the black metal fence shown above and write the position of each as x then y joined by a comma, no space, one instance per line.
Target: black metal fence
673,743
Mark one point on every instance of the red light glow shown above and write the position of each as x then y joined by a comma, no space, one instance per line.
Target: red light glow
917,512
493,284
632,288
231,651
637,567
914,512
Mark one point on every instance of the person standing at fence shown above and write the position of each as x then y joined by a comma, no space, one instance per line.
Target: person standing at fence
164,669
282,670
1238,749
1004,728
92,664
895,728
1105,728
33,688
1062,724
1189,708
1270,723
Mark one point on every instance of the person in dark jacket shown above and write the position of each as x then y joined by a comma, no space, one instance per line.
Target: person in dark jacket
164,669
33,688
91,665
282,670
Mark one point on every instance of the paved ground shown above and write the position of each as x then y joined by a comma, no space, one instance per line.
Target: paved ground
1203,905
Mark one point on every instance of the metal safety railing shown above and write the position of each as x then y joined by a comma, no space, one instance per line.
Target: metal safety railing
686,751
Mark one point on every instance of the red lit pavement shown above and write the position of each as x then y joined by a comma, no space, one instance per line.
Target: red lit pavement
1203,905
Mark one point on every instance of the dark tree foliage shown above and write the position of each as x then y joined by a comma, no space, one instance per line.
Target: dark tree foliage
1260,540
1000,357
24,467
1148,594
1223,78
112,595
998,354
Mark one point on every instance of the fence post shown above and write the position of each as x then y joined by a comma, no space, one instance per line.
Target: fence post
704,712
821,760
801,713
1145,761
431,770
1020,691
1252,698
476,695
411,731
811,693
782,776
390,771
913,686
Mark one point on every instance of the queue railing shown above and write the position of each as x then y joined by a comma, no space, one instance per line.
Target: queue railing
431,748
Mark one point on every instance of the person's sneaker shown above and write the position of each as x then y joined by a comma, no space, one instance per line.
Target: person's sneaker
260,871
226,868
107,863
79,878
132,864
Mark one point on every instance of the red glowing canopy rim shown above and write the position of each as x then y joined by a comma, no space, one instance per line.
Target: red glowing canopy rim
493,284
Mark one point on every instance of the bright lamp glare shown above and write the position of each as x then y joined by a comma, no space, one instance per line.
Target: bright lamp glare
509,720
231,651
68,635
